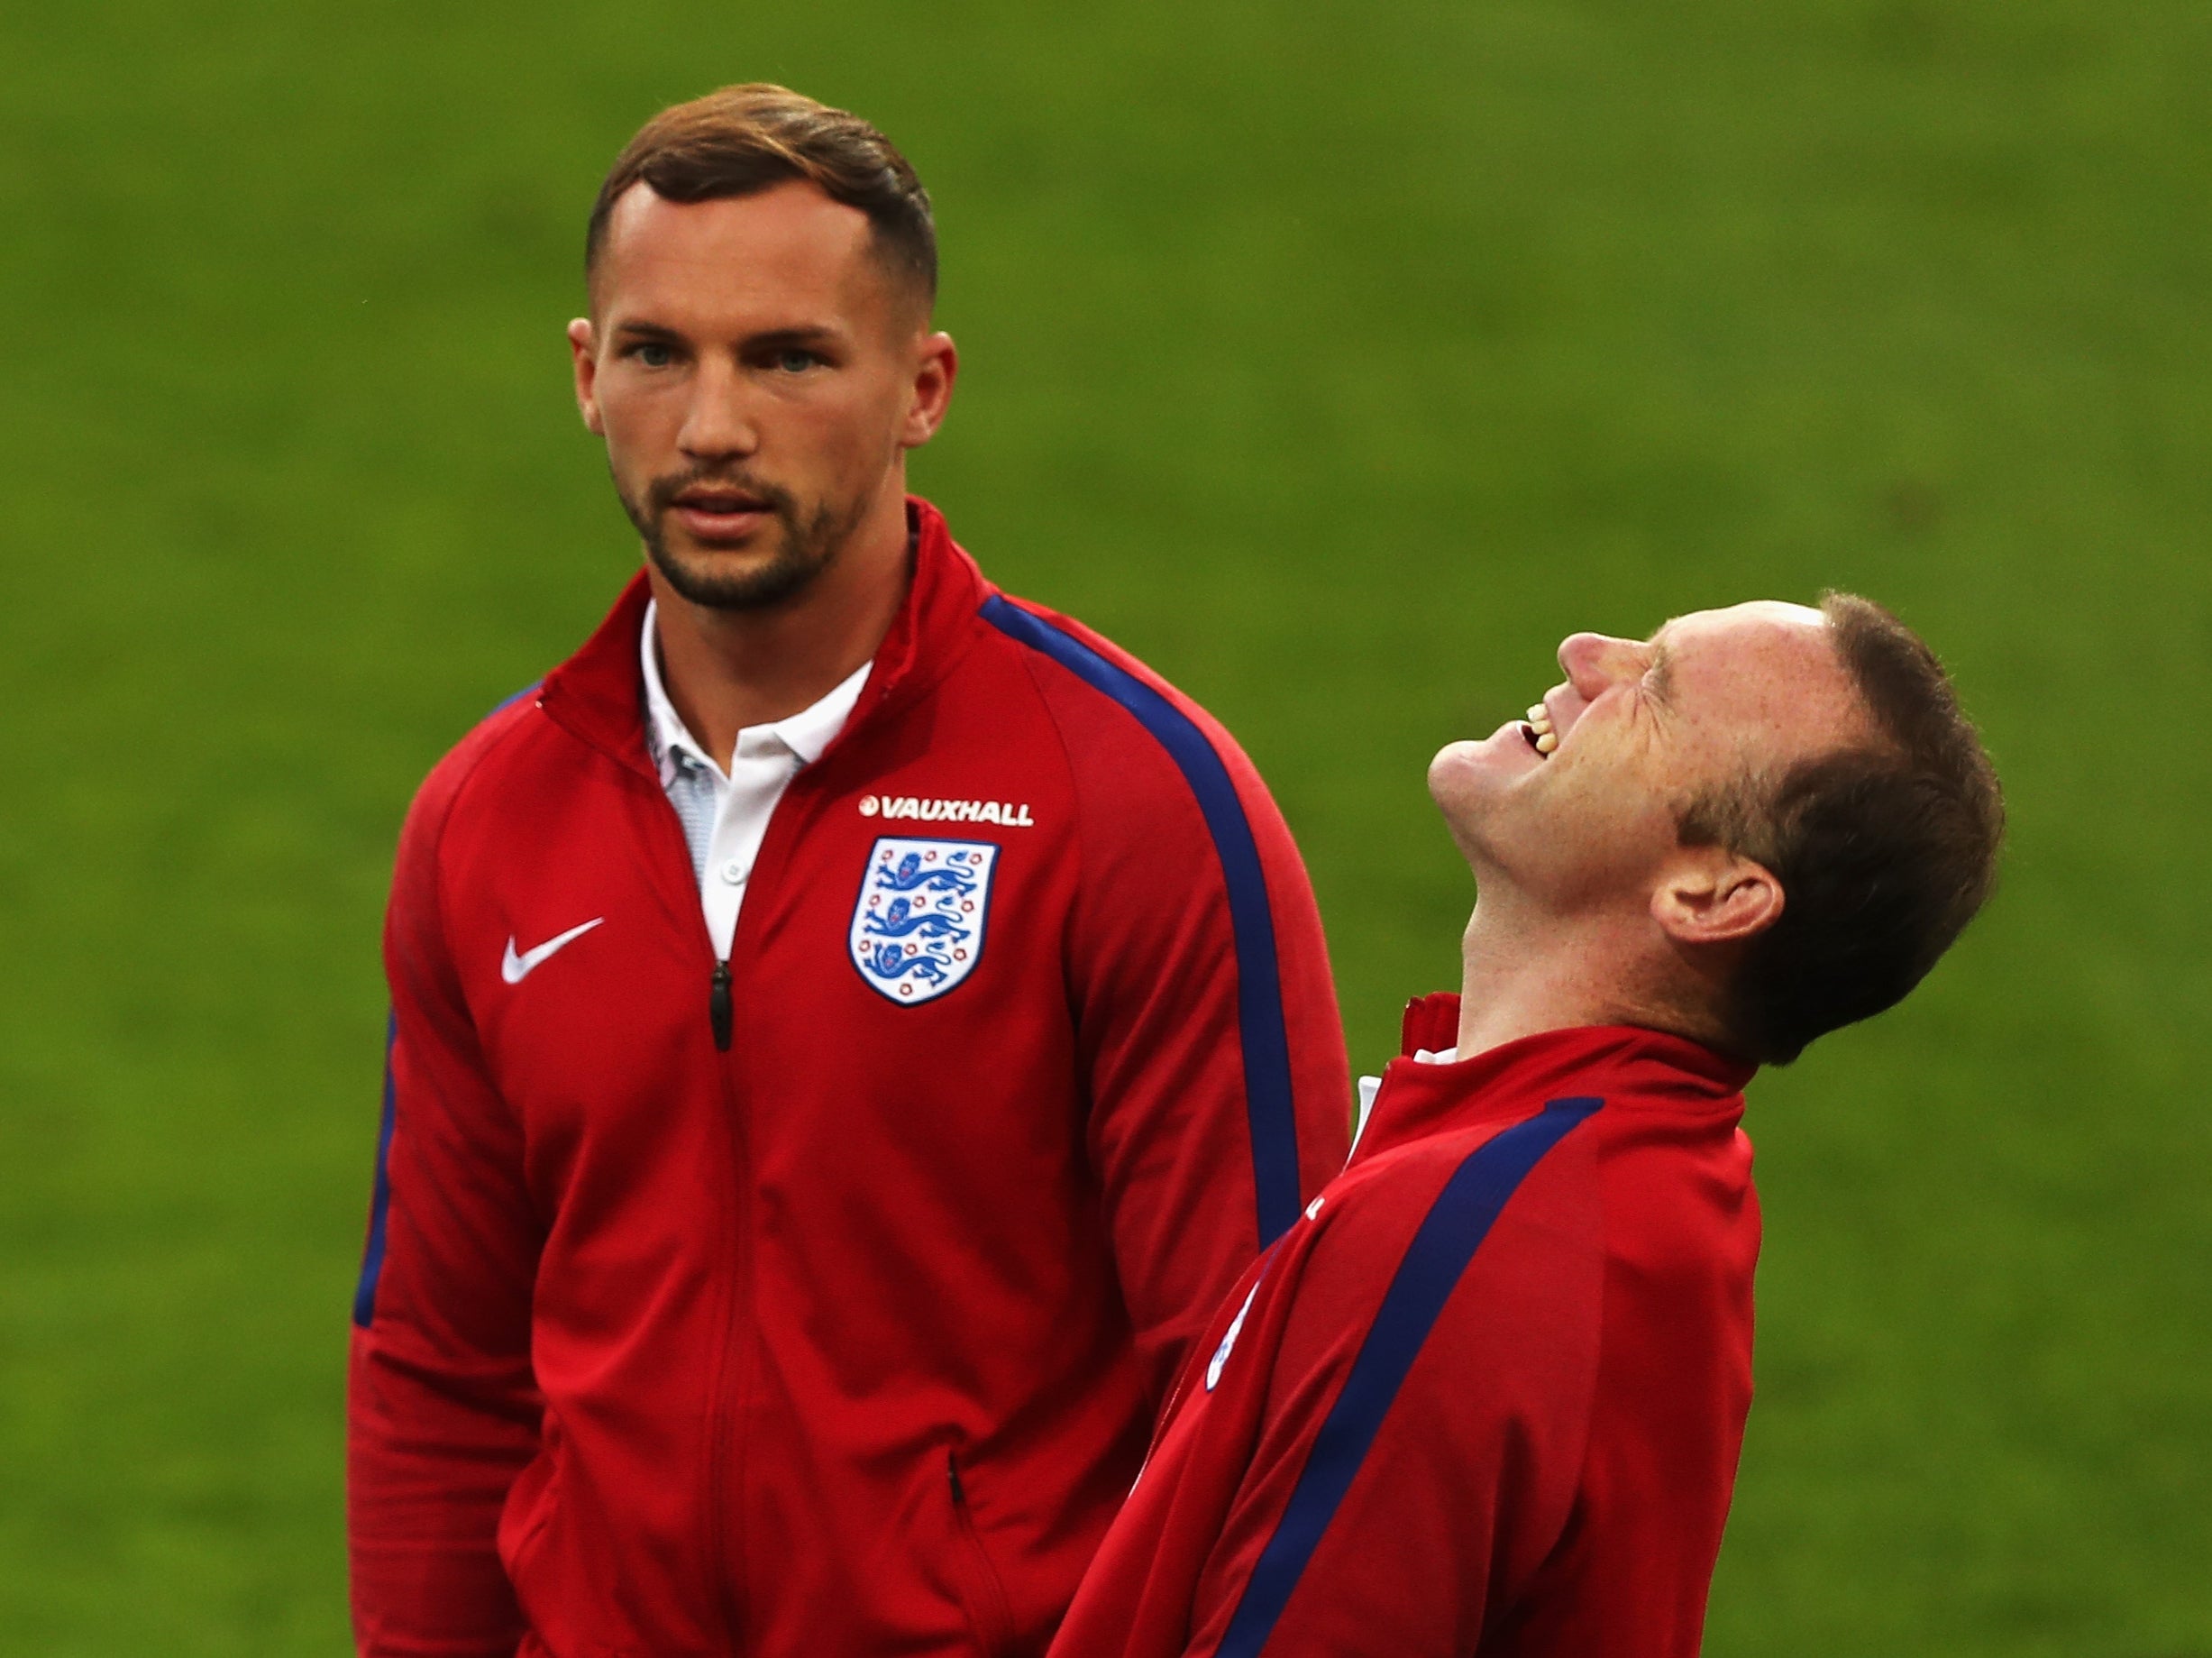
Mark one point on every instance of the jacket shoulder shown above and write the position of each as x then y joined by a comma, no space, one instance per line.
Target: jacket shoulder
1471,1302
1130,735
1440,1206
489,742
1095,670
415,952
1681,1213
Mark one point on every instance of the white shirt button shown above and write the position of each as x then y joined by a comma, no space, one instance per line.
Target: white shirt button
734,872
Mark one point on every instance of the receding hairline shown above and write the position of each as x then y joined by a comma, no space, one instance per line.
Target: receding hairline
745,140
1792,627
1861,632
910,298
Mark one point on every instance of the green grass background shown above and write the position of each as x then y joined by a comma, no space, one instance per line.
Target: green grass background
1337,358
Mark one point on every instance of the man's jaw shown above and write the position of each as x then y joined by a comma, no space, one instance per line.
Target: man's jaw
1471,778
1457,773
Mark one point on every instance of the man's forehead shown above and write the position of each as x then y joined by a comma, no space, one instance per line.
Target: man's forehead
1765,664
790,239
792,205
1776,618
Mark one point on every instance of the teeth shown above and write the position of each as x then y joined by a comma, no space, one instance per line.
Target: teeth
1546,741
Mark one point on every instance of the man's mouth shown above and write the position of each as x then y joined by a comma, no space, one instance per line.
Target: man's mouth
720,503
1537,732
720,513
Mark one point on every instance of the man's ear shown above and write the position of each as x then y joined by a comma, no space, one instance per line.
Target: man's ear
937,365
1710,895
584,354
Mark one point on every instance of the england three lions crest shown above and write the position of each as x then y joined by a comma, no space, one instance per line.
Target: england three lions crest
918,927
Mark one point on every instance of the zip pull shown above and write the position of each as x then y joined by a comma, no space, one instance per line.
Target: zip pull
717,1006
952,1473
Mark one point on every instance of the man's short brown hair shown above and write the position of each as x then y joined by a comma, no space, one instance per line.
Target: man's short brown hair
1884,853
744,139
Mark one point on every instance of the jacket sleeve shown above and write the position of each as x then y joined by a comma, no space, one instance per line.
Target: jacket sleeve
1406,1484
443,1409
1460,1458
1207,1025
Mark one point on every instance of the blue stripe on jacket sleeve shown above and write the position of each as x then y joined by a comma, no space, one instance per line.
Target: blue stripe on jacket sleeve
507,702
380,1204
1269,1107
1453,1230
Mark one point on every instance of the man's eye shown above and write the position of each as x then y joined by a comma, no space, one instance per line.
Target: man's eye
796,362
652,354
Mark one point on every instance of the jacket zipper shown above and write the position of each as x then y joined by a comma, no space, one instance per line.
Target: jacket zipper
720,1427
717,1006
722,1431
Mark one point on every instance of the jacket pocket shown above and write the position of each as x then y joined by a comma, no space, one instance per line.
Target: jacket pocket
527,1515
981,1589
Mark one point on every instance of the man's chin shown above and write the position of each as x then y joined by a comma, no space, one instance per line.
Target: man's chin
719,561
1503,757
762,572
1473,780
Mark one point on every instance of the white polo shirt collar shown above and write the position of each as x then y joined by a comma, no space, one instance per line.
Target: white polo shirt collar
804,734
724,806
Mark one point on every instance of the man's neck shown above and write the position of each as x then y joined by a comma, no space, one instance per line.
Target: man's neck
725,670
1523,973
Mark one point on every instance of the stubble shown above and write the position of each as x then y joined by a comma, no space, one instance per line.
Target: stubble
806,543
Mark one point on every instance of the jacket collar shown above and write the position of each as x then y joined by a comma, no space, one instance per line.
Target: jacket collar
1624,1064
598,695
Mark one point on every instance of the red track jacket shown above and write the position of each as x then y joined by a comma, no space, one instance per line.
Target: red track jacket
819,1300
1486,1398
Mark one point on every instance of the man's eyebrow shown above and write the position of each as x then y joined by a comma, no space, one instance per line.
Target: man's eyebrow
808,334
799,333
1659,678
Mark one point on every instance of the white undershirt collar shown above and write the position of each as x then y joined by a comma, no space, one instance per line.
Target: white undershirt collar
724,804
805,734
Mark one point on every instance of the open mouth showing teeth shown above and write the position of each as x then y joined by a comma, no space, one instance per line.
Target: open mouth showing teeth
1537,732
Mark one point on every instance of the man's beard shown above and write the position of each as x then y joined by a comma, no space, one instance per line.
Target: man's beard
807,544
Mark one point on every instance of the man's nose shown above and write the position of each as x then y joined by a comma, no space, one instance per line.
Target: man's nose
1595,661
719,422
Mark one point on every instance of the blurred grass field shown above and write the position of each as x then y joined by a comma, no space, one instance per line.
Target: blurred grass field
1337,359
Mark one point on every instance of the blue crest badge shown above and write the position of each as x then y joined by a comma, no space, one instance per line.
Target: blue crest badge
918,927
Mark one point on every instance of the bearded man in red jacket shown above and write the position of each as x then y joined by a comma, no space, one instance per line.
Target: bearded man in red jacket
1487,1396
850,1026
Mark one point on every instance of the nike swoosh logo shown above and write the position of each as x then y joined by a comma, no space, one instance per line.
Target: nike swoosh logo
516,969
